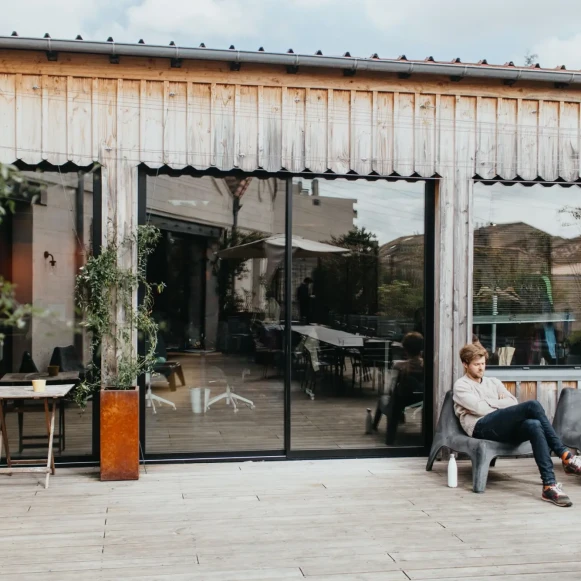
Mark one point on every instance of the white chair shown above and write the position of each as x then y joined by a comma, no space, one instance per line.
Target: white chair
217,377
151,398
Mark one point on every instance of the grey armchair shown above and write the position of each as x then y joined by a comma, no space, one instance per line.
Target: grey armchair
483,453
567,420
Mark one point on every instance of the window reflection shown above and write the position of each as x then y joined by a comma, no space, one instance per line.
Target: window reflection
42,246
218,386
527,271
358,315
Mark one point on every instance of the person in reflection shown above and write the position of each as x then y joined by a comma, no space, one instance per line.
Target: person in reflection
408,389
487,410
304,300
272,311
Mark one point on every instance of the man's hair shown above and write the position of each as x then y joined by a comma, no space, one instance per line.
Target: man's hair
308,280
473,351
413,343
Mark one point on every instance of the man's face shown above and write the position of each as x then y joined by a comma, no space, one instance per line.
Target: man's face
475,370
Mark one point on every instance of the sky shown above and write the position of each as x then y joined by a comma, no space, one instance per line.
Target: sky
497,30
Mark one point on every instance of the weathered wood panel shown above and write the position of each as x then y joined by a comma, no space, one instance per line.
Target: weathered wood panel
223,126
425,135
465,146
403,132
175,137
383,133
367,130
8,117
104,117
246,120
316,129
507,138
527,391
293,130
487,115
199,125
444,360
79,115
29,119
549,140
528,116
54,119
128,121
361,129
569,141
547,397
339,131
270,141
152,122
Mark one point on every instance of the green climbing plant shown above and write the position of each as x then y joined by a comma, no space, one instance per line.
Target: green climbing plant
104,292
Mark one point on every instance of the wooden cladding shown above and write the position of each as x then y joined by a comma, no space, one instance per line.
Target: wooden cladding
227,125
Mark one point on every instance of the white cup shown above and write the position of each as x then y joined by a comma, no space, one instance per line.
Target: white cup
38,385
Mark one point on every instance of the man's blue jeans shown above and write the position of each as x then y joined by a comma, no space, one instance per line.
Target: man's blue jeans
519,423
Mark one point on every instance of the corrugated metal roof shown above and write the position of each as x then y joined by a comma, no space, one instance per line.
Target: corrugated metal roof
456,69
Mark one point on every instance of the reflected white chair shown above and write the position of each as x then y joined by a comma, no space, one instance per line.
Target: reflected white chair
151,398
217,377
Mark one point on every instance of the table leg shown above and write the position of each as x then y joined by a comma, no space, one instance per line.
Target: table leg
50,459
4,435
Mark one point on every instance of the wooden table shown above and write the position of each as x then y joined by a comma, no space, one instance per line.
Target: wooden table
340,339
15,392
26,378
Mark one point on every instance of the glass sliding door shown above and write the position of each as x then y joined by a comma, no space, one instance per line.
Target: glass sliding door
218,386
359,318
42,246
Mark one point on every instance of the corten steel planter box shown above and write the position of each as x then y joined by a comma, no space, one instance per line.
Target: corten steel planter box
120,434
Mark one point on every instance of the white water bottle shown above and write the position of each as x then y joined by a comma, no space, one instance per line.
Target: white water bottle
452,472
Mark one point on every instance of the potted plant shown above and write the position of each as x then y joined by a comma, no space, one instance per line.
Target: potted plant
105,293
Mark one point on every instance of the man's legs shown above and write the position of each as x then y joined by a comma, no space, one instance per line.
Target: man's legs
522,422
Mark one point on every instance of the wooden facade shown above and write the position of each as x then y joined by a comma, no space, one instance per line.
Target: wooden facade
82,109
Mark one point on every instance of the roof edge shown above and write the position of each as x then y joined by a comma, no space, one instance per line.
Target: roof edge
456,70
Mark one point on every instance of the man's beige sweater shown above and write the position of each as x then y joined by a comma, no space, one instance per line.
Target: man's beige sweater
474,400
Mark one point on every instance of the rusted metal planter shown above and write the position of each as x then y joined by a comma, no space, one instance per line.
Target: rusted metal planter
119,434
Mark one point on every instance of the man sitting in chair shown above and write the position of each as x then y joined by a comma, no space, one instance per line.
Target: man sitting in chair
488,411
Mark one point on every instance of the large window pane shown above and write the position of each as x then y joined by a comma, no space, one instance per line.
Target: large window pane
42,247
527,268
220,316
358,313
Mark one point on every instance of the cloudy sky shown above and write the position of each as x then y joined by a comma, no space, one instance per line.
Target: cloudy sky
498,30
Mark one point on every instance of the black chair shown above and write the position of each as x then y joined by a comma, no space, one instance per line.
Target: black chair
482,453
27,364
67,359
567,421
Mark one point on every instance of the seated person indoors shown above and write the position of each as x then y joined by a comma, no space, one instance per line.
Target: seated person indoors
487,410
408,388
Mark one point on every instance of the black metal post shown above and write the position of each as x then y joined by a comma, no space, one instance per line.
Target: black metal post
430,382
97,235
141,220
80,232
288,315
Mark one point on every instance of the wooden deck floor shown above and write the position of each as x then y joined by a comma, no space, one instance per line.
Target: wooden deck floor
343,520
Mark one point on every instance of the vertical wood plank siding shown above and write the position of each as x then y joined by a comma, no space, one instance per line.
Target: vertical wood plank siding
209,120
